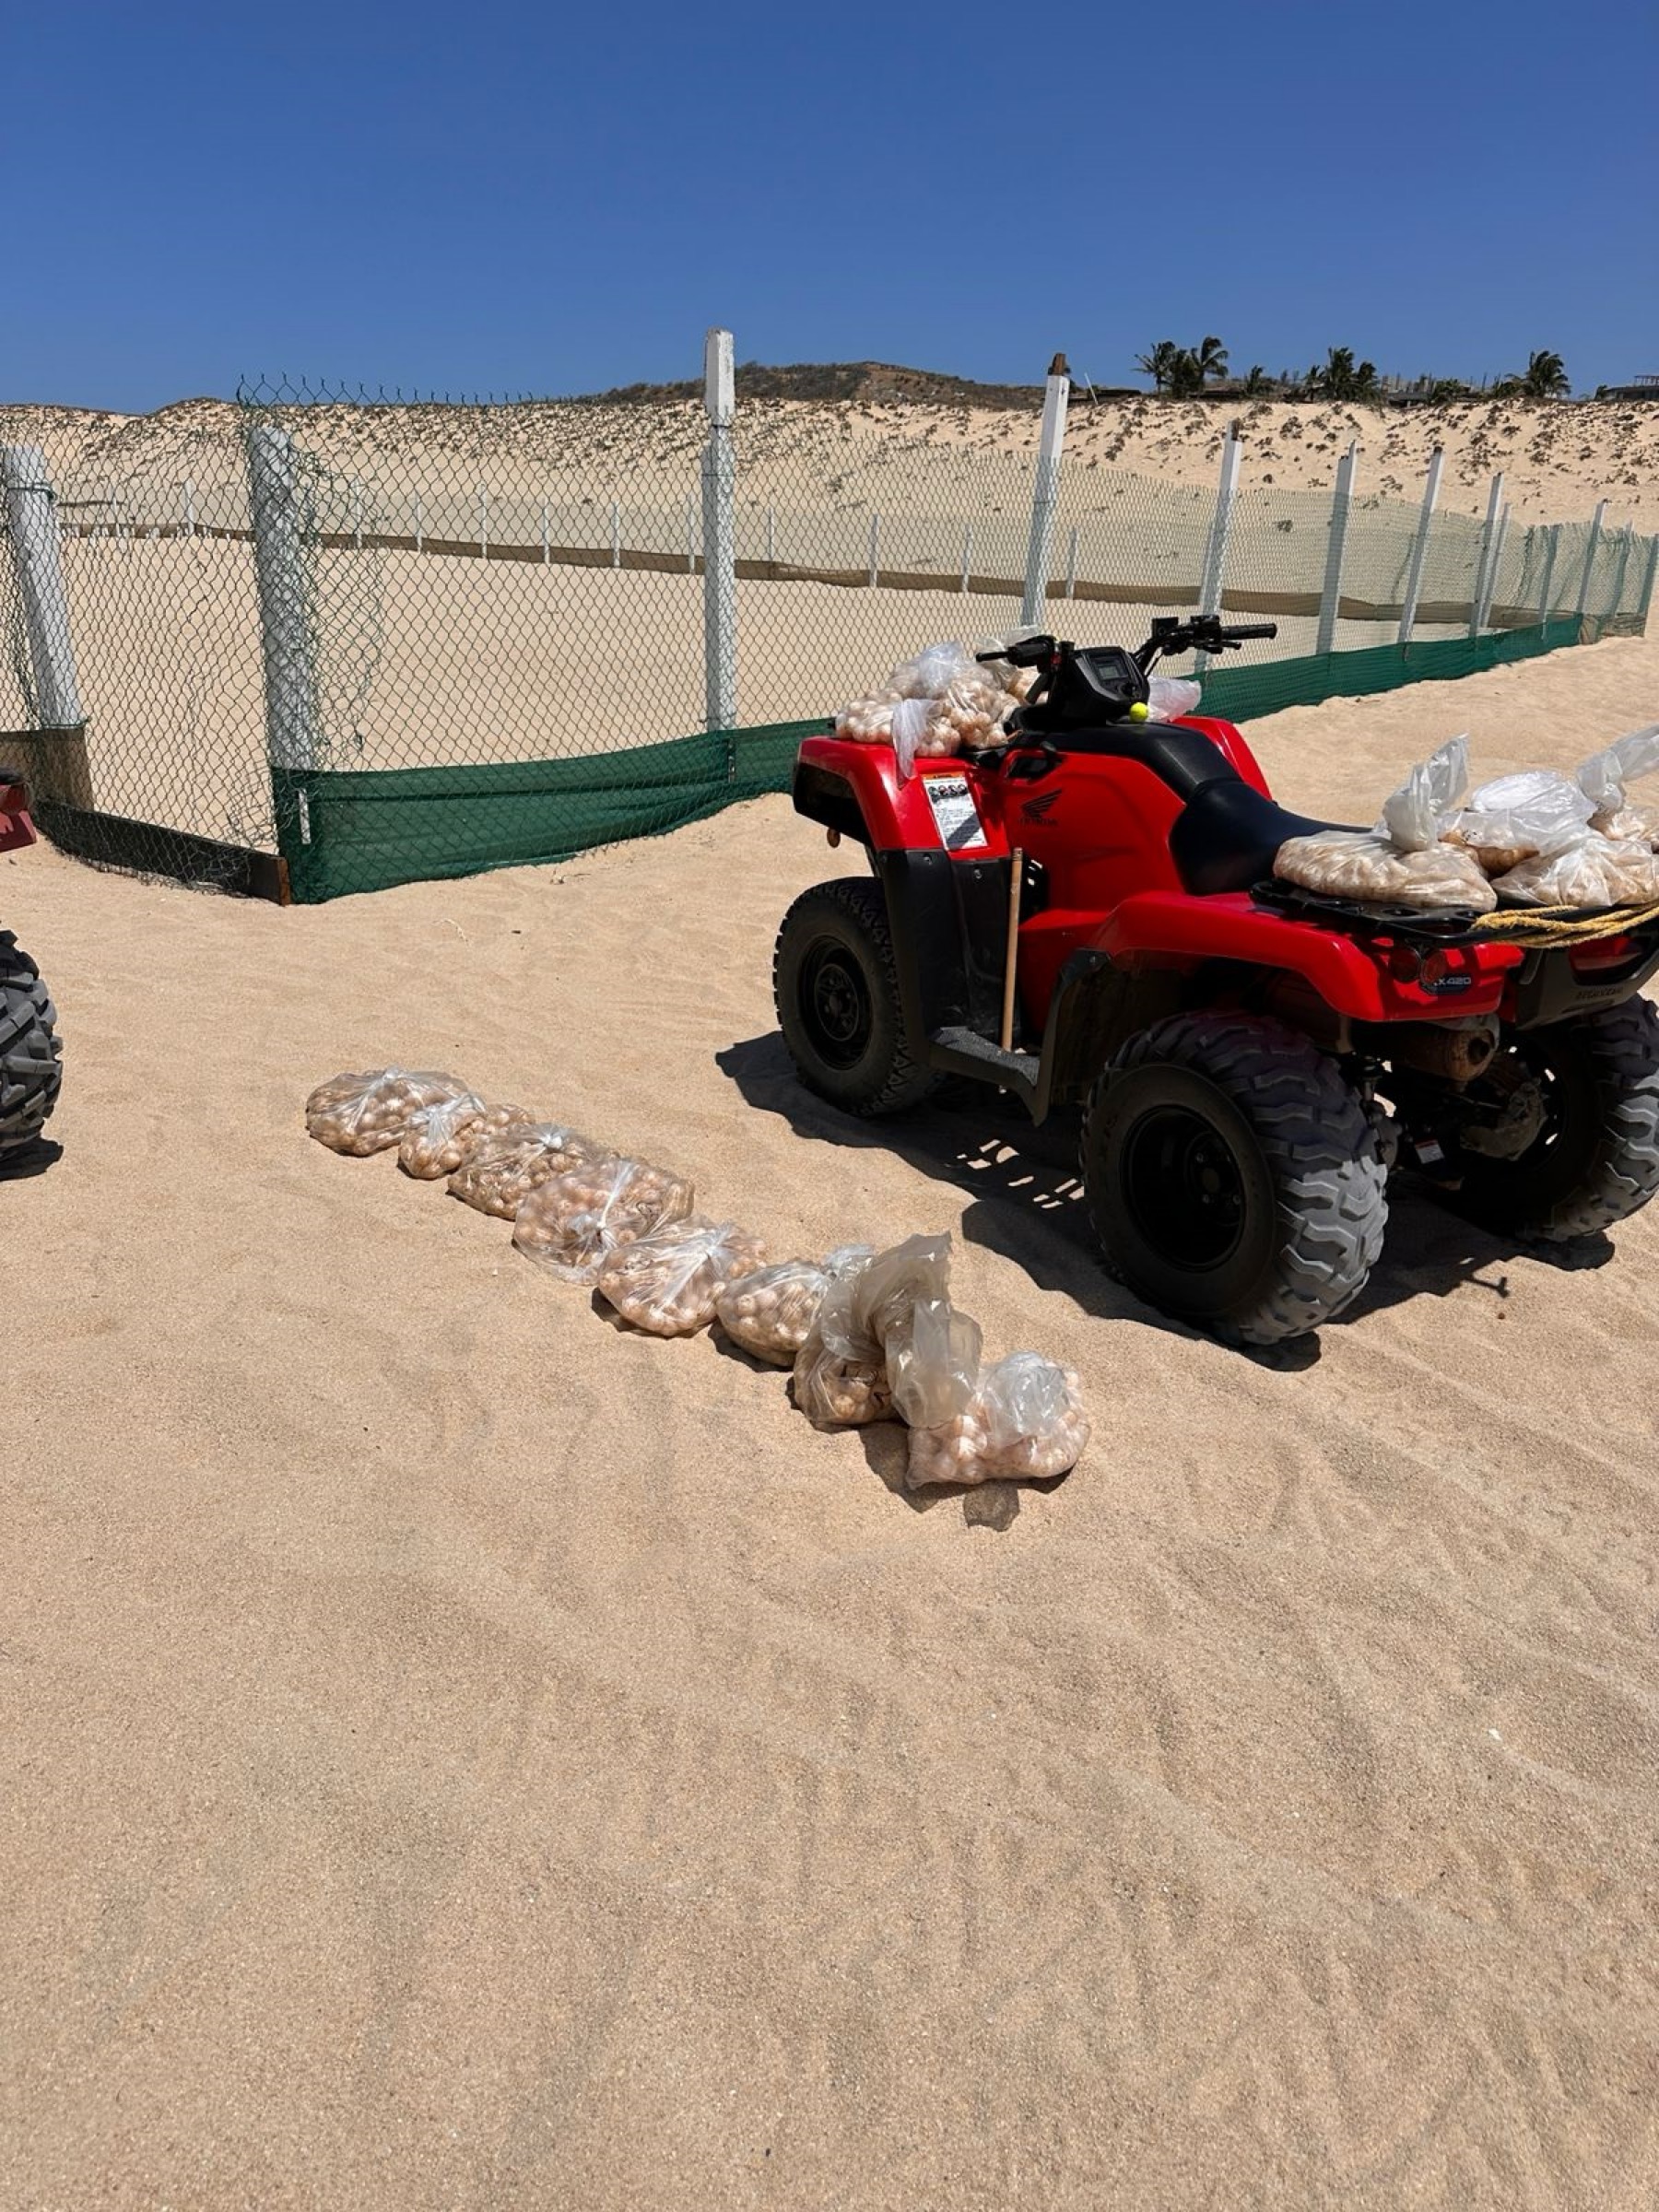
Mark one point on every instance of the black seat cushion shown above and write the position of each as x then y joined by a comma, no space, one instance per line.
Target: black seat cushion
1226,835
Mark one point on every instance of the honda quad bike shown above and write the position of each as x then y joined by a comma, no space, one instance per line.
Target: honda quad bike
1083,914
29,1070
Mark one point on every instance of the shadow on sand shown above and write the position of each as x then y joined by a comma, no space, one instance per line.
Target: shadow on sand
1026,1202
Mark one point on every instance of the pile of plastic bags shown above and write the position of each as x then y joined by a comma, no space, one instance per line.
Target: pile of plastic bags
868,1336
1534,839
945,700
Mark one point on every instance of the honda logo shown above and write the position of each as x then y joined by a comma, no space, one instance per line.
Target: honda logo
1037,809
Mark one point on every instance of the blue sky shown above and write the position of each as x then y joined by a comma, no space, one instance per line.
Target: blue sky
494,198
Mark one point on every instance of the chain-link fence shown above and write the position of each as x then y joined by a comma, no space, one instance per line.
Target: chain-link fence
318,645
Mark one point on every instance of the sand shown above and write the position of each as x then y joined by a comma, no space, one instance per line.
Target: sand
1558,458
462,1754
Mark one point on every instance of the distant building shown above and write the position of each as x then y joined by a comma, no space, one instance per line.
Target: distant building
1641,387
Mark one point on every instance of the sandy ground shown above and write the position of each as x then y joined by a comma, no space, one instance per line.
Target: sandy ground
460,1754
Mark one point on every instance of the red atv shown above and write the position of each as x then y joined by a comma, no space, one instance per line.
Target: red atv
29,1052
1250,1060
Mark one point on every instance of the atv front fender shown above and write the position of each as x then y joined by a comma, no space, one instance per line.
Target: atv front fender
1352,975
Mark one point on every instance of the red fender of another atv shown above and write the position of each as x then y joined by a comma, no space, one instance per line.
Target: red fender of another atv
15,825
1353,976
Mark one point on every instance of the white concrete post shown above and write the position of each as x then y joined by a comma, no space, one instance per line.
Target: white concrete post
967,555
190,510
483,523
875,548
32,511
420,537
1648,582
616,534
1071,564
287,635
1330,598
356,513
1489,590
1045,489
1419,545
1591,550
546,536
1483,566
1553,534
720,536
690,535
1616,598
1214,557
771,535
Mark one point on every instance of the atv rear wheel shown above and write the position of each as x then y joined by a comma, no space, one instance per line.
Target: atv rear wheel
1234,1178
1596,1159
30,1052
836,985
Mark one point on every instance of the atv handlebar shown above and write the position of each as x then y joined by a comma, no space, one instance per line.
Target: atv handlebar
1199,633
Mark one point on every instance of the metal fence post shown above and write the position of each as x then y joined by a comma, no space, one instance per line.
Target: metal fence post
483,523
1214,557
720,536
1330,598
420,540
1045,489
285,632
1477,598
1419,545
690,535
1591,550
772,534
616,534
546,536
31,508
356,513
1553,534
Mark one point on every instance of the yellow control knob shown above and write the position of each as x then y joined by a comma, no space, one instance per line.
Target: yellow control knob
1140,711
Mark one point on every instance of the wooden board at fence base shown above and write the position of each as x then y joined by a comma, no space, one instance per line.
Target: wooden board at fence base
53,763
115,840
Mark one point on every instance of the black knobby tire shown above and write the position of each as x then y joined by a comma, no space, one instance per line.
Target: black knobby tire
1597,1160
836,985
1234,1177
31,1070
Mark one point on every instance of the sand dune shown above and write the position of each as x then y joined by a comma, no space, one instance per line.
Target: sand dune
1558,458
462,1754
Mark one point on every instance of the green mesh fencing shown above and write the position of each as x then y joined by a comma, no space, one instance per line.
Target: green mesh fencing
366,830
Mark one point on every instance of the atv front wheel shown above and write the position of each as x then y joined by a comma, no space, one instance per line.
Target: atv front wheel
1233,1177
836,985
1596,1157
29,1052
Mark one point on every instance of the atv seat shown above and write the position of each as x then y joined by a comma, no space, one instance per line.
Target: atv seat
1227,833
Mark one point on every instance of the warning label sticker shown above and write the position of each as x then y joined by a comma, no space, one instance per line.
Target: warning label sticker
955,815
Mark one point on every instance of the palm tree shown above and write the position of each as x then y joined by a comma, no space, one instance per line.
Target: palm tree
1341,377
1212,361
1186,374
1159,363
1257,380
1545,377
